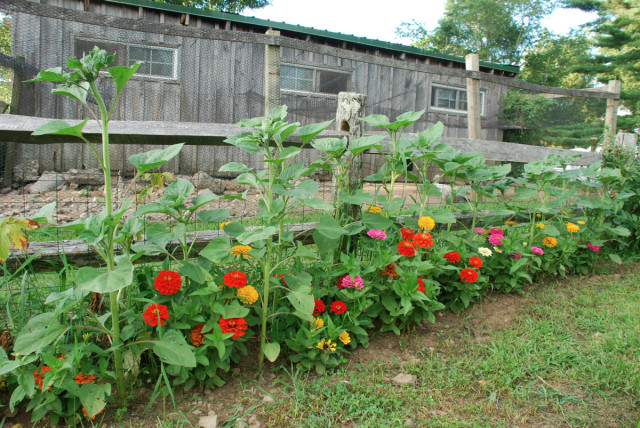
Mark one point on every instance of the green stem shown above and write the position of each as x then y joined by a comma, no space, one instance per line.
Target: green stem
113,296
265,305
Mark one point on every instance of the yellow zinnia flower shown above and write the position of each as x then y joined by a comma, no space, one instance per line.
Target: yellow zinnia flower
572,227
374,209
427,223
327,345
319,322
222,225
344,338
550,242
540,225
248,294
241,250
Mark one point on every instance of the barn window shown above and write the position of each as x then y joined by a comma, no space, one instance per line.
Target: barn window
156,61
448,98
310,79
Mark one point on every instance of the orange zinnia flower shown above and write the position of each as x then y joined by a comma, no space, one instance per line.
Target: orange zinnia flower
389,270
423,239
81,379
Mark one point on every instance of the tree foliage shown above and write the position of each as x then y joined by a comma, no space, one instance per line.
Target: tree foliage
617,39
498,30
230,6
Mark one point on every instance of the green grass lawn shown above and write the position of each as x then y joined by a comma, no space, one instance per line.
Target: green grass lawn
569,356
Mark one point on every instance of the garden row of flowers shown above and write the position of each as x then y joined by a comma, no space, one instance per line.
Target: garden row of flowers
263,292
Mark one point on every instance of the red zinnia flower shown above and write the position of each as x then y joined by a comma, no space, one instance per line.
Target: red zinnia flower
319,308
469,275
237,326
420,285
452,256
81,379
235,279
407,248
476,262
407,233
340,286
38,379
389,270
423,239
168,282
155,312
338,307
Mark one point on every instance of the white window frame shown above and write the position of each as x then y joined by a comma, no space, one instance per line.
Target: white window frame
315,78
129,62
458,90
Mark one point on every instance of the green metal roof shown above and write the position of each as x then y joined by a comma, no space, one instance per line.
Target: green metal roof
308,31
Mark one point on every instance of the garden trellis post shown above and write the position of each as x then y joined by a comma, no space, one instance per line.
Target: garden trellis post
272,71
474,107
611,119
350,111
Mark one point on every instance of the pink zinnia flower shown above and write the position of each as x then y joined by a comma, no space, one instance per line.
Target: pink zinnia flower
593,247
377,234
356,282
537,250
516,256
496,239
496,231
480,231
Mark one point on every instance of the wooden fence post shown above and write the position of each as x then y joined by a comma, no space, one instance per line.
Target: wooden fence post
350,110
474,107
272,71
10,147
611,116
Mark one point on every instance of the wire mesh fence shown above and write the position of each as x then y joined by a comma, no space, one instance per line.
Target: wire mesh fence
208,76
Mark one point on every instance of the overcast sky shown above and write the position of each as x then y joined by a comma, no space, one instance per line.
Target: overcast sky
378,19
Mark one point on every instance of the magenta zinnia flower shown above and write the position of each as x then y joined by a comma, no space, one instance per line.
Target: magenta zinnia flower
480,231
593,247
377,234
356,282
496,231
496,239
537,250
516,256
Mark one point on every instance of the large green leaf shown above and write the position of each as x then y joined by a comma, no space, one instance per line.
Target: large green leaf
254,235
328,227
60,127
50,75
121,75
234,167
218,250
173,349
362,144
271,351
144,162
214,216
376,221
91,279
93,397
308,132
330,146
38,333
78,92
304,304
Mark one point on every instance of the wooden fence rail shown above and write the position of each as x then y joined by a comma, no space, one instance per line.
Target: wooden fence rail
19,128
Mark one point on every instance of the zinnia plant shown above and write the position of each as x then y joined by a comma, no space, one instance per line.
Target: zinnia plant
469,275
154,314
338,307
237,326
452,256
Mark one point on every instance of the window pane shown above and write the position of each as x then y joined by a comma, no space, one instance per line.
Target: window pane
162,56
138,53
445,98
462,100
332,82
145,68
297,78
165,70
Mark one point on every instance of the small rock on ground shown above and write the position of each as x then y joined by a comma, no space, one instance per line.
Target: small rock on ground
210,421
405,379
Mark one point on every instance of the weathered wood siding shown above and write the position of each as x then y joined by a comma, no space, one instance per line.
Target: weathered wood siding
220,79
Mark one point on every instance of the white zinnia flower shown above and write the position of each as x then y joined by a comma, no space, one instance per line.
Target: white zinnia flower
485,251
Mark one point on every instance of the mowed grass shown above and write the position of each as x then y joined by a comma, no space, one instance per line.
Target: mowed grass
569,357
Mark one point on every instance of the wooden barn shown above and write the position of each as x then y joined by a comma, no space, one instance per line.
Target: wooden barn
209,67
